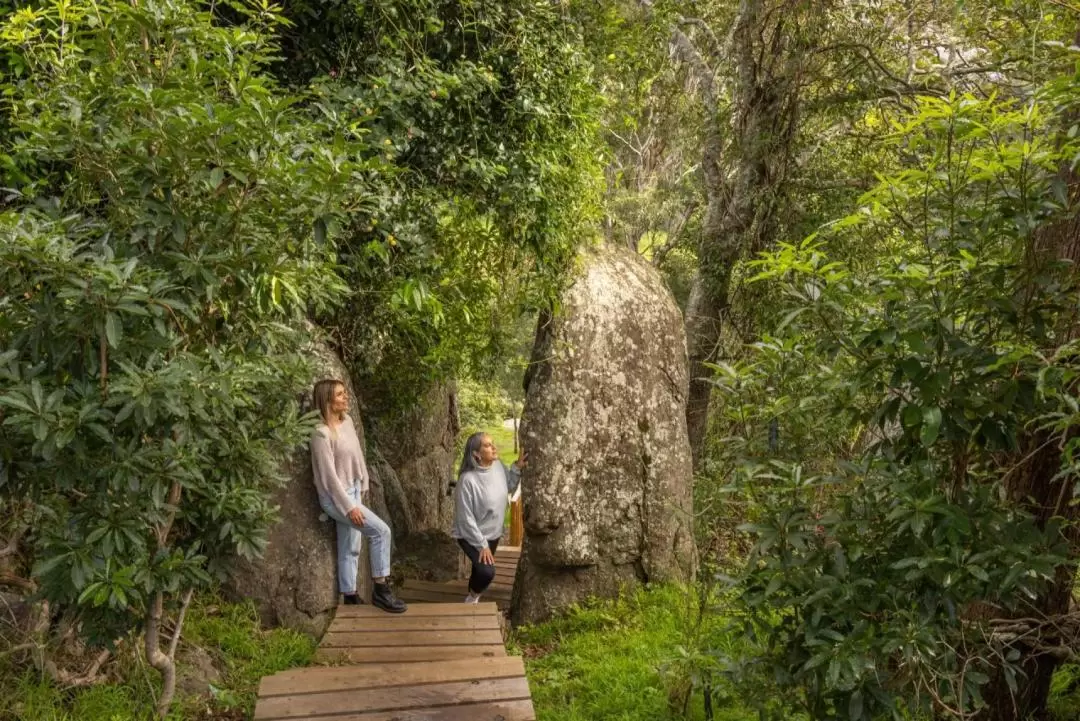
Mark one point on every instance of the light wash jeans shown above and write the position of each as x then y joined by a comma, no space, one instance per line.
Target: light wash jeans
348,541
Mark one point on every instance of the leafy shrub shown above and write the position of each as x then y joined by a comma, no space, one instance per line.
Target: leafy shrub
166,242
909,395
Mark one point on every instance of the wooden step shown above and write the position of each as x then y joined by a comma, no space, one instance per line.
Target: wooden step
452,592
314,679
473,689
396,638
417,610
363,655
343,624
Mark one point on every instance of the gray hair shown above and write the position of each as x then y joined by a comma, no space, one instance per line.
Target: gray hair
472,447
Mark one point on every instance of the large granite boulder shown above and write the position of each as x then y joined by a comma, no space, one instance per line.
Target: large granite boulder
414,463
607,492
294,584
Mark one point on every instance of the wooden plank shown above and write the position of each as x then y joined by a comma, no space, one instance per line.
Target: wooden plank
418,609
453,587
501,598
415,623
412,638
448,596
395,698
317,679
492,711
406,654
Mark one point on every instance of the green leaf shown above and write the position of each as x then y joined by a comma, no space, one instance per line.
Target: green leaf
16,402
931,426
113,329
855,705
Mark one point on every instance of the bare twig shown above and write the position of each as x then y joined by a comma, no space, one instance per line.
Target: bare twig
180,622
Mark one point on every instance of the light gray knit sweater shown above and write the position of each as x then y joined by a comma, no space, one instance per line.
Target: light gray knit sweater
480,503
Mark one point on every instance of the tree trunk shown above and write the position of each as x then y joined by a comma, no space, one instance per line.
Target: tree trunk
744,191
702,340
1033,488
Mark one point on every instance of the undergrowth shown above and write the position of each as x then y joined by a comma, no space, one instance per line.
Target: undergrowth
620,660
1065,694
229,633
632,659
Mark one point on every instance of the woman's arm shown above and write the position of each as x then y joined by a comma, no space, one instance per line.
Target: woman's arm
322,465
513,472
465,510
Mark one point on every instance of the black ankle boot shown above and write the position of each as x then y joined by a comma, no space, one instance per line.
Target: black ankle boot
353,599
382,597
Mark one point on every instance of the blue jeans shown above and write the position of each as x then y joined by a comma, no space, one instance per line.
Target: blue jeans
348,541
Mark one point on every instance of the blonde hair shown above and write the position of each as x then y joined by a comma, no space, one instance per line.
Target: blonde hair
322,396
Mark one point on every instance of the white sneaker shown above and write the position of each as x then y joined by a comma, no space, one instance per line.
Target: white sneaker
472,598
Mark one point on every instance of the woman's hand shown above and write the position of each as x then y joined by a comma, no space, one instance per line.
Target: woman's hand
486,557
356,517
523,460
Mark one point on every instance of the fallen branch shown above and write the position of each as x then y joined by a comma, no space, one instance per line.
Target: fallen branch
88,678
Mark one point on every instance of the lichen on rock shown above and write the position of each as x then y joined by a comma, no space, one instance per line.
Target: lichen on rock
608,488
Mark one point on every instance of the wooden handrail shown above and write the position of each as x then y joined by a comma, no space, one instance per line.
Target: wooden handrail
517,523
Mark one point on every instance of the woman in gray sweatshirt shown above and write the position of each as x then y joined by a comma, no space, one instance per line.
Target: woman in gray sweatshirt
341,477
480,498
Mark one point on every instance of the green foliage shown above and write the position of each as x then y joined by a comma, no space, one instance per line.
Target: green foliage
158,260
246,652
624,660
230,633
901,386
481,406
483,115
1065,694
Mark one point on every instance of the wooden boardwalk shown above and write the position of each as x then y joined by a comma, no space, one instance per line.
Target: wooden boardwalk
506,560
438,661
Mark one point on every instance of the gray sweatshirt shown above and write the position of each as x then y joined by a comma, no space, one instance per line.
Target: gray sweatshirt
337,464
480,503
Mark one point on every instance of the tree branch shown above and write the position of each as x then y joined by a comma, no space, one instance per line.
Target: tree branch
180,622
702,72
715,46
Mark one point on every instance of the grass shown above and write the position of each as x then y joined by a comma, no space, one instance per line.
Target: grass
613,661
620,661
229,632
1065,694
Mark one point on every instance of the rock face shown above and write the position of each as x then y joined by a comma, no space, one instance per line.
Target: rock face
607,491
294,584
415,463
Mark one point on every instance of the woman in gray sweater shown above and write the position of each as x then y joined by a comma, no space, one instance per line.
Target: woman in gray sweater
480,498
341,478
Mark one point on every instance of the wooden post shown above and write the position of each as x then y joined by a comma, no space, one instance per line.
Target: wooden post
517,524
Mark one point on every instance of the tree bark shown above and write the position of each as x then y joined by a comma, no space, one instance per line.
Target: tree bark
1036,487
745,187
702,340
